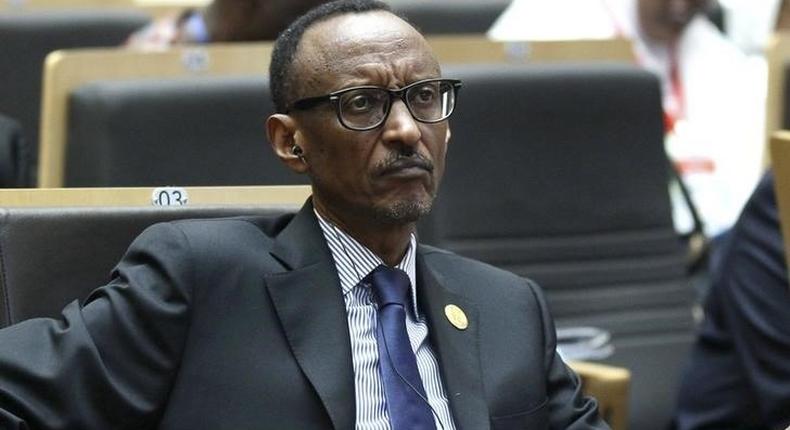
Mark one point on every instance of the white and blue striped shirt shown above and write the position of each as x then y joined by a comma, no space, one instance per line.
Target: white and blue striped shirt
353,262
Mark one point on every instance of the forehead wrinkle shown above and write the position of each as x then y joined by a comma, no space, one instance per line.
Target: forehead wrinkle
389,75
334,54
389,68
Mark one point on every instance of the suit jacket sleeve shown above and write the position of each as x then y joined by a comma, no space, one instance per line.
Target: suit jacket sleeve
755,304
739,372
110,363
568,407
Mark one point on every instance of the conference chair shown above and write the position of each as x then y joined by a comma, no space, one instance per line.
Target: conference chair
476,48
610,385
777,109
66,71
27,37
445,17
559,174
780,157
189,131
58,244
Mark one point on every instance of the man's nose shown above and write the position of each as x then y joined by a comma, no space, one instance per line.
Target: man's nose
401,127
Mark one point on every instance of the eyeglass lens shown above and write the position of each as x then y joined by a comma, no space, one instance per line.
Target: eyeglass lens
368,107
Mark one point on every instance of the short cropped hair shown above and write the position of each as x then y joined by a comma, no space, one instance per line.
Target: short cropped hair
281,76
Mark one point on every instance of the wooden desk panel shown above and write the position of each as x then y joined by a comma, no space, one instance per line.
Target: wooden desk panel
72,197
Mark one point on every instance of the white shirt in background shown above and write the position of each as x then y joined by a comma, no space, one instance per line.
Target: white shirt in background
718,138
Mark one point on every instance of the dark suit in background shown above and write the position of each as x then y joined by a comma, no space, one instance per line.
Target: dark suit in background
14,156
739,375
240,324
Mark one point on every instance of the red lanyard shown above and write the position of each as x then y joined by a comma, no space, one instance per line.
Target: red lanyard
677,110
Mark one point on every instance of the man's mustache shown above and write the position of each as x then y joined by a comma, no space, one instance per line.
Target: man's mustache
398,161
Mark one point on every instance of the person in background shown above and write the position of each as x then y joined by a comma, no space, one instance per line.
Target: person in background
713,97
750,24
221,21
739,371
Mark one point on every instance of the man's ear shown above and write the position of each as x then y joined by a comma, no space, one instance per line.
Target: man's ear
281,130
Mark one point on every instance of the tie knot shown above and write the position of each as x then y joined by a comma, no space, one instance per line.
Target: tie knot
390,285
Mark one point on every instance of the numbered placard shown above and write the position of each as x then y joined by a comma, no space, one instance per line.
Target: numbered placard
196,60
169,196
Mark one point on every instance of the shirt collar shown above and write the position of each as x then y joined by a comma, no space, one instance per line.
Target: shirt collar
194,28
354,260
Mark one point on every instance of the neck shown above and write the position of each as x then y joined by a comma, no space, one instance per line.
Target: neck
389,241
222,23
213,24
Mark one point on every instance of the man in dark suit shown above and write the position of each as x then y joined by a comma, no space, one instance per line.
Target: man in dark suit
332,318
739,374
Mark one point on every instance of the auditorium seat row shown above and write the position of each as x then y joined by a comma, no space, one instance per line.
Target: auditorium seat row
54,255
556,172
27,38
29,34
68,71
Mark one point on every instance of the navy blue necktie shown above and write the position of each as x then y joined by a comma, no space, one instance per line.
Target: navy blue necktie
406,400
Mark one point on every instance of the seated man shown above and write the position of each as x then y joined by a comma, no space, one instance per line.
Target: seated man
221,21
332,318
739,375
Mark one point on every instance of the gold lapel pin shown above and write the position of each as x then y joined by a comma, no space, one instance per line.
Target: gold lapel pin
456,316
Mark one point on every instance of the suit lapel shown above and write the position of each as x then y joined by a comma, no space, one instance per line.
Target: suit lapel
457,350
309,303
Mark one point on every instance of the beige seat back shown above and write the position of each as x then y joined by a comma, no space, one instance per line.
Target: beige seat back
780,159
778,56
610,385
58,245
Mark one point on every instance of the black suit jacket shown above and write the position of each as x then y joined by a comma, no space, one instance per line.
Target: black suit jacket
240,324
739,373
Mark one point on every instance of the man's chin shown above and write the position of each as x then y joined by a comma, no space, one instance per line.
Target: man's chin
404,211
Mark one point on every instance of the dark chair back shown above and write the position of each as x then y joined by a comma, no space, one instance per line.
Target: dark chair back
52,256
444,17
185,131
27,38
558,173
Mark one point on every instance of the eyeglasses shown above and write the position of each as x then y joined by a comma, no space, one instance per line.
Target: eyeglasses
367,107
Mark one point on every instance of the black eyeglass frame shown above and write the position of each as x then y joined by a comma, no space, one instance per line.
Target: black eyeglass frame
334,99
